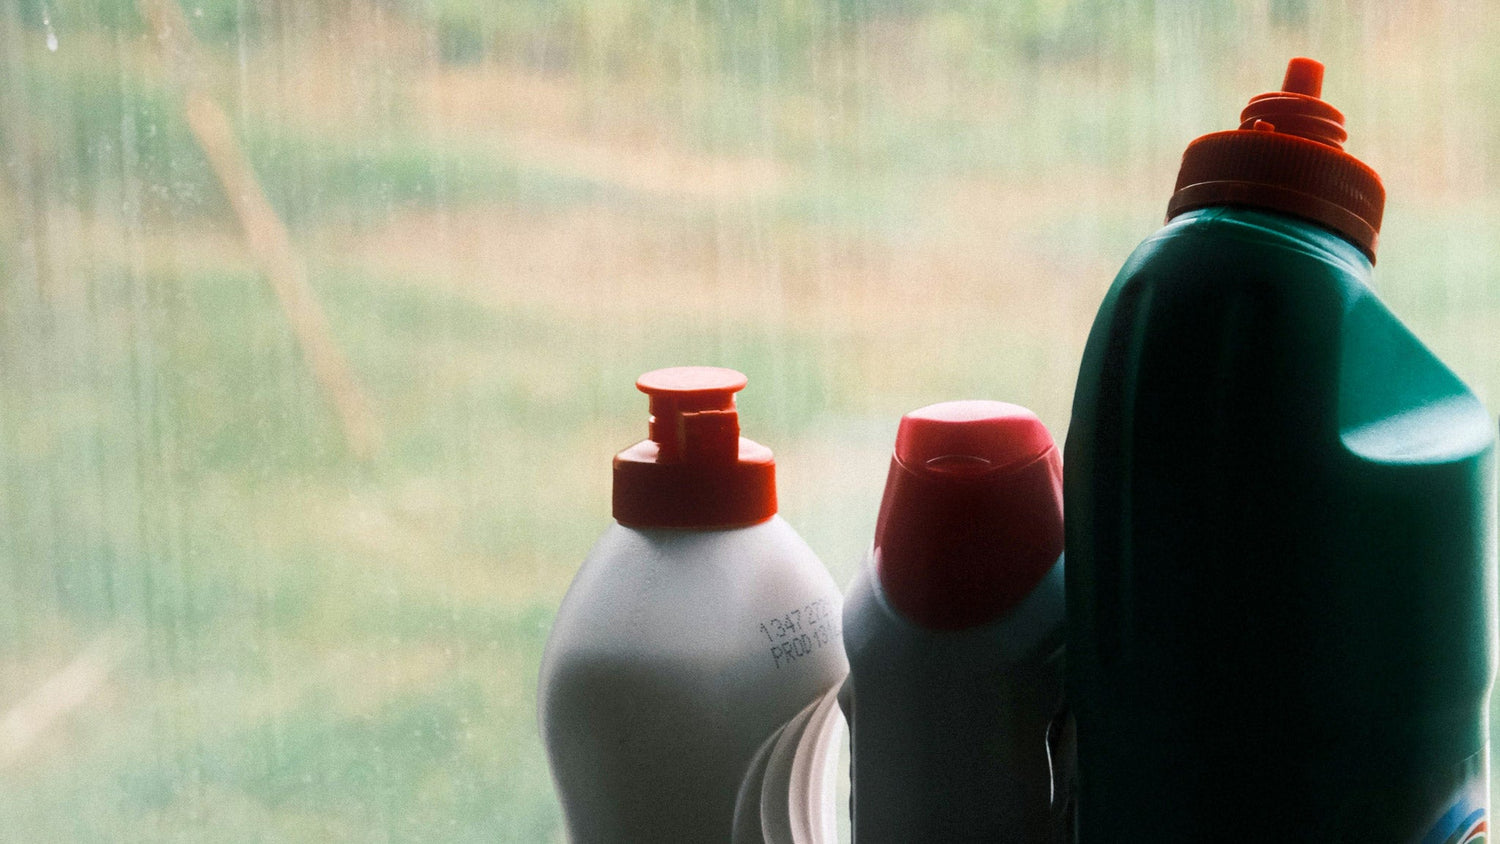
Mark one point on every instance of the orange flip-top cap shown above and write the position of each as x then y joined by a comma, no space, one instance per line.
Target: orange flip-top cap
1287,155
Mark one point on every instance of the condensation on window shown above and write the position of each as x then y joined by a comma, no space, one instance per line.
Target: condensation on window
319,323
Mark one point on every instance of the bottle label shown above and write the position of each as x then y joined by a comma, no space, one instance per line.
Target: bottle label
1466,820
802,631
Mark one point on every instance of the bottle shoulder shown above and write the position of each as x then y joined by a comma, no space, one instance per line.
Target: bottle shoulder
1249,242
1227,302
645,601
1030,630
715,570
1214,270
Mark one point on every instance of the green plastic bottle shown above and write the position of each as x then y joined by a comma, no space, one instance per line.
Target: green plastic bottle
1280,521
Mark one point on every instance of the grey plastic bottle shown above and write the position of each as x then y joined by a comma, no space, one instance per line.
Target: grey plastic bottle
697,628
954,631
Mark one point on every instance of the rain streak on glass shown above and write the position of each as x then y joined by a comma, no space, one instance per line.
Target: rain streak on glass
319,323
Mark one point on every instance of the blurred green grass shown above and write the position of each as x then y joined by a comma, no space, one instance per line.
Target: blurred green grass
334,651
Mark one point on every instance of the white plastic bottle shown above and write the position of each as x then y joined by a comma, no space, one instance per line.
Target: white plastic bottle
698,626
955,633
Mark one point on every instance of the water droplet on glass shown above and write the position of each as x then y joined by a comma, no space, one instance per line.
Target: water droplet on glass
47,25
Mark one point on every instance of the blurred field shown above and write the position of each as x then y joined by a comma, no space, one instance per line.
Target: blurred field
509,211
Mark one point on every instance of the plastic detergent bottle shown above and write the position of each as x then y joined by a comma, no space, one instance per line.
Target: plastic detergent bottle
699,625
954,631
1281,540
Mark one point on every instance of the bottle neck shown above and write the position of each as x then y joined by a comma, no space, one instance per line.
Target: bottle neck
1279,226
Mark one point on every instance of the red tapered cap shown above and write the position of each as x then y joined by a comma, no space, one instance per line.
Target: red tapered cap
972,515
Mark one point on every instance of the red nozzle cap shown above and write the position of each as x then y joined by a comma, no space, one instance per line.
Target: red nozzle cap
1303,76
972,515
1286,156
695,471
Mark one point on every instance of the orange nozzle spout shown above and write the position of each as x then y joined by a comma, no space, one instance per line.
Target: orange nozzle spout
1287,155
1303,76
1296,108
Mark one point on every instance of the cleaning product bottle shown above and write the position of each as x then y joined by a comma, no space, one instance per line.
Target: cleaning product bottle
1281,537
954,631
697,627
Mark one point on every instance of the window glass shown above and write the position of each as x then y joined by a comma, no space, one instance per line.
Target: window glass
319,323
